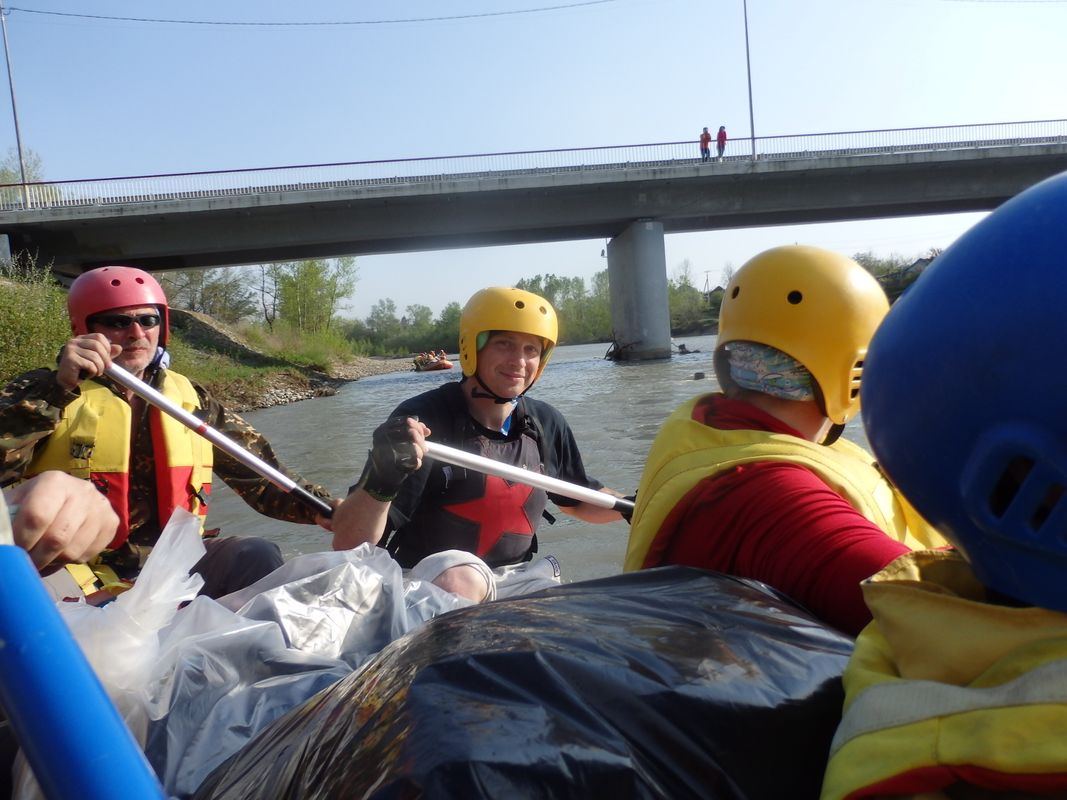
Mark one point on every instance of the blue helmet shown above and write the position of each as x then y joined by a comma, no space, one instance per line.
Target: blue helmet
965,395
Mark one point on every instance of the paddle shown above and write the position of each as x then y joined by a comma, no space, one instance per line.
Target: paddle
261,467
439,451
478,463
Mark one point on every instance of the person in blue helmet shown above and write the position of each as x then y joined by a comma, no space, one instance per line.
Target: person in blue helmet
956,689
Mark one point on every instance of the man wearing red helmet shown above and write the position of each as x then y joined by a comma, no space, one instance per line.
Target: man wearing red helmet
75,420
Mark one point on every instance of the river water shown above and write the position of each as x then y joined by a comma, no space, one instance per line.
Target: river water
615,410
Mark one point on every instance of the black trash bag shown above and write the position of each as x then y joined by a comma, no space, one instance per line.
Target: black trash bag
669,683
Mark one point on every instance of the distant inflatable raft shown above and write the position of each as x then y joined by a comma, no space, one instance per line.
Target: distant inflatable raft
430,364
666,683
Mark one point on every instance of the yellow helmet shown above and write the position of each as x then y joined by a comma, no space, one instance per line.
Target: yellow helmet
504,309
819,307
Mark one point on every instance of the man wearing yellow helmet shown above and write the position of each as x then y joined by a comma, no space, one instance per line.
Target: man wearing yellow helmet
505,339
755,481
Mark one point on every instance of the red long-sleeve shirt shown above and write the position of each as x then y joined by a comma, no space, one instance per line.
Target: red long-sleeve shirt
780,524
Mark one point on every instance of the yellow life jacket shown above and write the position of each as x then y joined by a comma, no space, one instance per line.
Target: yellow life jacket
92,441
686,452
945,688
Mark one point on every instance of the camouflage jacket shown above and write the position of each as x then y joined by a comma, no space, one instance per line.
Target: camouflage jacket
32,405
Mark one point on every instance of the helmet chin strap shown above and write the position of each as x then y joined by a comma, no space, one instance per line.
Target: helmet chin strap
833,433
489,394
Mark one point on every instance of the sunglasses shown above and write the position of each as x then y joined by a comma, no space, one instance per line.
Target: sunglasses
123,321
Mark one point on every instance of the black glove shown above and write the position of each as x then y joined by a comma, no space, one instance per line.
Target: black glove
392,459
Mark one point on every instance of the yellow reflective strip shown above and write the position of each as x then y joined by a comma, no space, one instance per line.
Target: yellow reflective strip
84,576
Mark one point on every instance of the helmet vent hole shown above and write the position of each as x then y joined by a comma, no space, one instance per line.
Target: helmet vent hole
1048,505
794,297
735,292
520,304
1008,485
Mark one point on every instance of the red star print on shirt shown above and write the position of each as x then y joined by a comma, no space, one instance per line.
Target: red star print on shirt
500,510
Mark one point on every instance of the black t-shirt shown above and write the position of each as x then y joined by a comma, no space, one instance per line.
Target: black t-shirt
538,432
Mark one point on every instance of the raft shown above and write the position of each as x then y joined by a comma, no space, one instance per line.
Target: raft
430,366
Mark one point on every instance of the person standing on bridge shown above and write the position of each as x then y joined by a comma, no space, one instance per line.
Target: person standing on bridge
705,146
506,337
76,420
720,141
755,482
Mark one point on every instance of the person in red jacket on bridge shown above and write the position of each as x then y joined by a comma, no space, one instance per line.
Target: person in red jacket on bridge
705,146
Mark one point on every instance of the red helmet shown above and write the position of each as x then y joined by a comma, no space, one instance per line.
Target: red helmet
108,288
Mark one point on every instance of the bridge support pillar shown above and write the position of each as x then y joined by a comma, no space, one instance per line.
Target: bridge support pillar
637,279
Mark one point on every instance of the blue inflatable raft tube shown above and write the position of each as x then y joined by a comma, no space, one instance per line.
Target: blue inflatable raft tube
71,733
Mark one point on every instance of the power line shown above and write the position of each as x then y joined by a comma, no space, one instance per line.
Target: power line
329,23
1008,2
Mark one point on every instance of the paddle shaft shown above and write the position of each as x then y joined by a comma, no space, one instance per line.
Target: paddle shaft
439,451
261,467
478,463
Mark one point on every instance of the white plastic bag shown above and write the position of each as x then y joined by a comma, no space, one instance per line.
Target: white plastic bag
121,639
229,668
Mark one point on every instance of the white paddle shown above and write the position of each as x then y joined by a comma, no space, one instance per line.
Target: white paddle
279,479
478,463
439,451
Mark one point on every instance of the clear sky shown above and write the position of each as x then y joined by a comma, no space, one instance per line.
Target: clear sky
101,98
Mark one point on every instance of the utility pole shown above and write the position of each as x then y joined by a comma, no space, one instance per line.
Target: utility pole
748,67
14,109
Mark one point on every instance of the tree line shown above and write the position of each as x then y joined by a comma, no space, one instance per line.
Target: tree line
306,298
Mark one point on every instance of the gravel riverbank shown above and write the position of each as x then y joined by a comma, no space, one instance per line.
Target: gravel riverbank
287,384
291,386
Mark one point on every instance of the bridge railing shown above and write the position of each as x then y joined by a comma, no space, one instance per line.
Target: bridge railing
442,169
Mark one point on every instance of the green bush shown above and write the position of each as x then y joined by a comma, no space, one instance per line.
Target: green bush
316,350
206,367
33,319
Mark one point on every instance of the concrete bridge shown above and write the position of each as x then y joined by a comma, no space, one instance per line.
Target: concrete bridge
632,195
